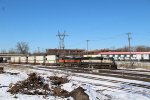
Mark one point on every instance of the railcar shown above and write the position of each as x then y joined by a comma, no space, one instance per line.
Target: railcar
39,60
31,60
15,59
51,60
24,59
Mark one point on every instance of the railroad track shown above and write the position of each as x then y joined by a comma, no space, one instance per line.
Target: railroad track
105,72
111,88
120,73
97,78
102,72
108,87
135,70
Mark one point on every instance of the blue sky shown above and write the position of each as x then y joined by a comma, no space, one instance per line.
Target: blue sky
104,22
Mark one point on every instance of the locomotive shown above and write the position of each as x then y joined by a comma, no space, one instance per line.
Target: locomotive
94,62
99,62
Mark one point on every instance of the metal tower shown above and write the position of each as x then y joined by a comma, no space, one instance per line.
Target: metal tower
61,39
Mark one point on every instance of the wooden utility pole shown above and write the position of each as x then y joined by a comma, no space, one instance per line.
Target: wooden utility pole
129,40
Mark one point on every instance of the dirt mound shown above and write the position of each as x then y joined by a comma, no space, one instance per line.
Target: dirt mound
57,91
32,85
35,85
1,70
58,80
79,94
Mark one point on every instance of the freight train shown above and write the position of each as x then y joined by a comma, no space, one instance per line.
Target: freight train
94,62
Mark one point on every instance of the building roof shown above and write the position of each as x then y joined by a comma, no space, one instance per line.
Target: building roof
124,53
8,54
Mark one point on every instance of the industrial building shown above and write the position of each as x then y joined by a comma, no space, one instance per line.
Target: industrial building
65,51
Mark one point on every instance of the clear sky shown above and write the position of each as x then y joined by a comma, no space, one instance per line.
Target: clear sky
104,22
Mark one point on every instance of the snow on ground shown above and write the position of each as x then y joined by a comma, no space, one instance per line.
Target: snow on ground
96,89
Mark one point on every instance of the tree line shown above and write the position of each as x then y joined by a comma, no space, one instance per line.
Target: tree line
20,48
23,48
140,48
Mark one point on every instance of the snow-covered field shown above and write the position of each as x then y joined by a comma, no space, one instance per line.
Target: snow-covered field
95,88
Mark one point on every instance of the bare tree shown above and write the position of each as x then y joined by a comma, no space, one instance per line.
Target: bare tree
12,51
143,48
3,51
22,47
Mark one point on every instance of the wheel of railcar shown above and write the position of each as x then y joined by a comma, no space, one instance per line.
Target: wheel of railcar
62,64
110,66
78,65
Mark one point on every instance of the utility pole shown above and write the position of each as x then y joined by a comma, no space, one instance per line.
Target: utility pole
87,45
129,40
38,49
61,39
